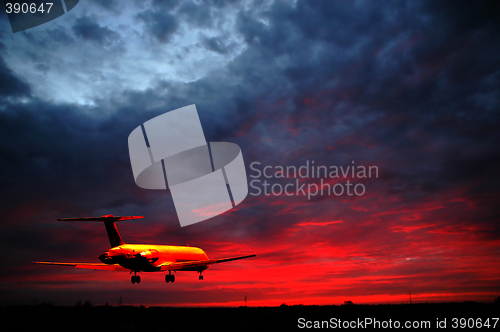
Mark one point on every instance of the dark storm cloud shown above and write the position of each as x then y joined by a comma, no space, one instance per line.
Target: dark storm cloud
351,98
160,24
161,5
10,84
88,29
216,44
378,64
463,15
47,155
48,149
197,14
111,5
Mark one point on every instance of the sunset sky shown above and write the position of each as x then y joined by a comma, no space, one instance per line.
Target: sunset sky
412,88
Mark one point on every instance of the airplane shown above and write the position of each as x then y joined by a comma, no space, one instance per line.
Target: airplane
144,257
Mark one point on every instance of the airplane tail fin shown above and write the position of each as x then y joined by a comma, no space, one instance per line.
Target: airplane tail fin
109,222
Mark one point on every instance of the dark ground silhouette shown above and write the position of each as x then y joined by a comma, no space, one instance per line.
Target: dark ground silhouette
47,317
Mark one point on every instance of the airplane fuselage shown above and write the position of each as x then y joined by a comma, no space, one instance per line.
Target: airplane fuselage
148,257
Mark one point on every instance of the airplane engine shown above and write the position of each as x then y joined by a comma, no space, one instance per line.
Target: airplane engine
151,255
106,259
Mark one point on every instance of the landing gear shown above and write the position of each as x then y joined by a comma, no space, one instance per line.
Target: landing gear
169,277
200,277
135,278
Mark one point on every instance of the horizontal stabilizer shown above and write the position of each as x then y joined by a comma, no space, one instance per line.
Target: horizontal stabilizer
108,217
109,221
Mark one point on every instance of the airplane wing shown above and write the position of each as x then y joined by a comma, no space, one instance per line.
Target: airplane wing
97,266
172,266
